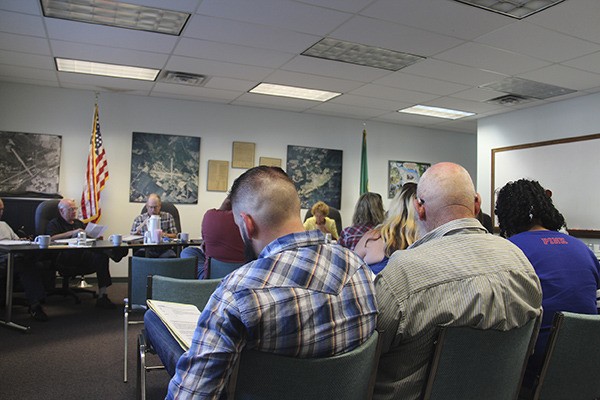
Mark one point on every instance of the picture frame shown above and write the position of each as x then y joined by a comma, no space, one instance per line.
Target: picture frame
217,176
317,174
270,161
400,172
243,155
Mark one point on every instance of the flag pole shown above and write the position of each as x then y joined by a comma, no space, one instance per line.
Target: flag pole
364,168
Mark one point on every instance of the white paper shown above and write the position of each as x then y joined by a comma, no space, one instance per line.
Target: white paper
94,230
9,242
73,241
181,319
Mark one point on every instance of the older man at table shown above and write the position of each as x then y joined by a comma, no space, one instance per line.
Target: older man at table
80,262
167,225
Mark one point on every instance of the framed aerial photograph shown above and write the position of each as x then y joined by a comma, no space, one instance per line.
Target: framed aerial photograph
400,172
167,165
317,174
29,163
243,155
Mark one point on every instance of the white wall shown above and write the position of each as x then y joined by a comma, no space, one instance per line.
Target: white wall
568,118
69,113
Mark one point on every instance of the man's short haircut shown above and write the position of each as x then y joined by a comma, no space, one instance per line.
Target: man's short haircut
266,193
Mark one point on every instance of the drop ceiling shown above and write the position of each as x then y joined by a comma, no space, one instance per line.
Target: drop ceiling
238,44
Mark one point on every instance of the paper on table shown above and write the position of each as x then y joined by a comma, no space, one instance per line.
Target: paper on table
181,319
94,230
73,241
132,238
8,242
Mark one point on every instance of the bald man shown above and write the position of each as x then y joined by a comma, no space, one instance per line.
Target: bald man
455,275
80,262
302,297
167,225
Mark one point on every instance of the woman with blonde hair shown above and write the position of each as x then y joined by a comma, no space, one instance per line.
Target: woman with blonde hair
320,220
398,231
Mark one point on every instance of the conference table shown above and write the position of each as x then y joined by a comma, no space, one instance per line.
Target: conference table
97,245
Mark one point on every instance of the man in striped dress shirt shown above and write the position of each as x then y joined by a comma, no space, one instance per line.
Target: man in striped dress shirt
302,297
455,275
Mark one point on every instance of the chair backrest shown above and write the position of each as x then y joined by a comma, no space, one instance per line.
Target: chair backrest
187,291
333,214
473,363
141,267
219,269
45,212
571,368
267,376
169,207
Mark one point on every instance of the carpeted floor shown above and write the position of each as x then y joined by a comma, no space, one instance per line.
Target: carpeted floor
77,354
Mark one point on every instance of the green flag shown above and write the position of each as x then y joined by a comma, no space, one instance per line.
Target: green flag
364,169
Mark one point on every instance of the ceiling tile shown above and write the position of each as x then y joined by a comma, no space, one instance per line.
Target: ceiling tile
286,103
535,41
420,84
26,60
24,44
27,72
188,6
335,69
23,24
453,72
445,17
217,68
203,92
345,110
232,53
389,93
229,84
376,32
566,77
476,94
379,104
312,81
248,34
576,18
491,59
279,13
590,63
105,82
22,6
463,105
352,6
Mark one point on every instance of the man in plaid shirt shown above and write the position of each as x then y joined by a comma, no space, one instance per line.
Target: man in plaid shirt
302,297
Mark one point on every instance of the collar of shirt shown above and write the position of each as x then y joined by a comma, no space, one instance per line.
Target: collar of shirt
292,241
458,226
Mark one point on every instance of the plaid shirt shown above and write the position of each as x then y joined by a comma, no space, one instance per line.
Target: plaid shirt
167,223
301,298
351,235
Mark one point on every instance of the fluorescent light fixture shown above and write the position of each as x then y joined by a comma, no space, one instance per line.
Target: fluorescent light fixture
116,13
436,112
294,92
513,8
112,70
527,88
360,54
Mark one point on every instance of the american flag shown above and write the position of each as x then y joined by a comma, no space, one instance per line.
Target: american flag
95,176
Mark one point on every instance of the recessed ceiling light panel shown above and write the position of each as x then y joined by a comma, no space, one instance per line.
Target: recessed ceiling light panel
116,13
294,92
437,112
527,88
360,54
112,70
513,8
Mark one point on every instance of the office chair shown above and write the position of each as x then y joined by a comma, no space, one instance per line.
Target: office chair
219,269
571,367
187,291
470,364
139,270
267,376
334,214
44,213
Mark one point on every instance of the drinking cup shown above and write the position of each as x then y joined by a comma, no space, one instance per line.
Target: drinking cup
116,239
184,237
147,237
43,241
81,238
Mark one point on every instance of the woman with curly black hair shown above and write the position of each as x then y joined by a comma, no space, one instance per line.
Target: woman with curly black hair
568,270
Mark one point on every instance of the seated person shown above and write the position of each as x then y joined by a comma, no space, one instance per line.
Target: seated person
368,213
567,268
27,269
167,225
82,261
398,231
321,221
277,303
220,239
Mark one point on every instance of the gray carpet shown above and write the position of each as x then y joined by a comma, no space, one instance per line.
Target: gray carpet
77,354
